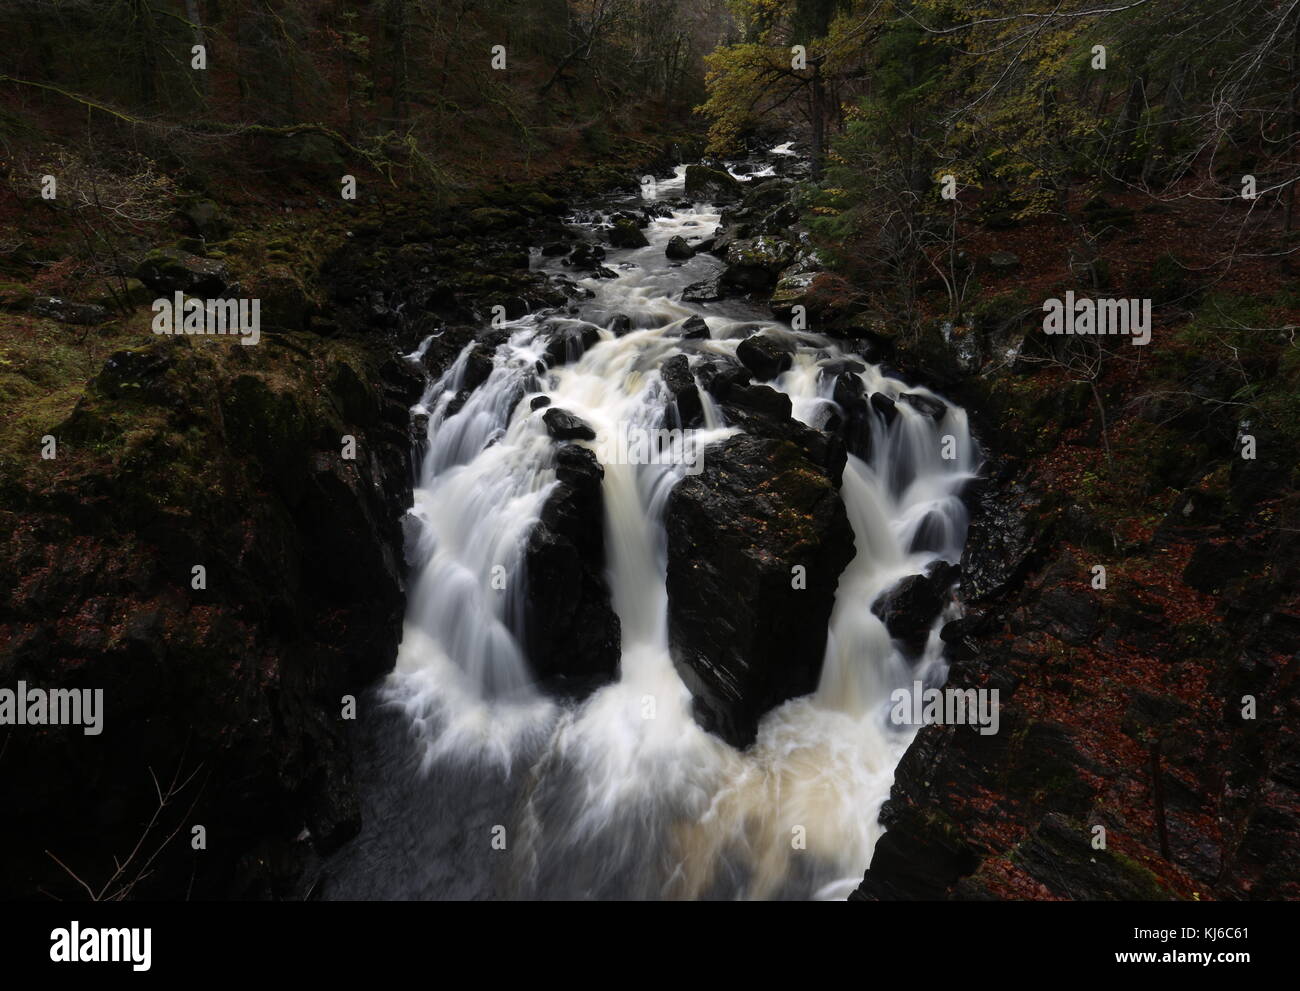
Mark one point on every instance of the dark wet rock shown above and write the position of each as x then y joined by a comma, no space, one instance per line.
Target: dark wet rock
555,249
765,356
853,420
621,324
66,311
1004,536
626,234
763,412
727,236
762,400
1252,481
516,307
885,406
679,249
834,367
688,410
719,377
586,256
704,184
910,608
479,363
792,289
563,425
961,637
572,631
170,270
755,263
539,402
932,408
245,678
694,328
570,341
705,291
743,638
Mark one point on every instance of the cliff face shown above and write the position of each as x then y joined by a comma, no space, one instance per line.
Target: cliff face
185,455
282,471
1126,707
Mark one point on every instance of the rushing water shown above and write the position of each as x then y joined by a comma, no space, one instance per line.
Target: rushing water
476,785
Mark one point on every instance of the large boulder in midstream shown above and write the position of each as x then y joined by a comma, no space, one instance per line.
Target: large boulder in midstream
745,636
713,185
572,633
765,356
755,263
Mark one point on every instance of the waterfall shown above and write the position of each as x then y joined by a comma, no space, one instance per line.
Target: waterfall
477,785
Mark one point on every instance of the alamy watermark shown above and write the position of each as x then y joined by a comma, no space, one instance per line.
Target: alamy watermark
635,445
216,317
102,945
1130,317
54,707
918,705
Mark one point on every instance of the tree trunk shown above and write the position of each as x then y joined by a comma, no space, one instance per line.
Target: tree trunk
195,17
818,119
1295,119
397,50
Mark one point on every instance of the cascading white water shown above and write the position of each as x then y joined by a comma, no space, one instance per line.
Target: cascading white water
623,795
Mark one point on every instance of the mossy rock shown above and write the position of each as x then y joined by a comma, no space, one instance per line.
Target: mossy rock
135,293
269,425
15,297
172,269
355,400
207,219
489,218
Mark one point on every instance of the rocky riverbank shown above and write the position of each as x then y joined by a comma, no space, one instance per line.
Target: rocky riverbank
216,542
1155,715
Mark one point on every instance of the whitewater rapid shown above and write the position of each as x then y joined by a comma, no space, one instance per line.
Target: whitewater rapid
476,785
